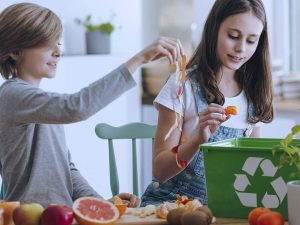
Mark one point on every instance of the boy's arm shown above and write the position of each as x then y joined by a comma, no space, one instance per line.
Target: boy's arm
28,104
81,188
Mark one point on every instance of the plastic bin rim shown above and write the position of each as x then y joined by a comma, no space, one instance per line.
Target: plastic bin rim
217,145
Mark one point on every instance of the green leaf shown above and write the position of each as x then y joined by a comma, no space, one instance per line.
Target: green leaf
275,149
107,27
296,129
289,139
283,143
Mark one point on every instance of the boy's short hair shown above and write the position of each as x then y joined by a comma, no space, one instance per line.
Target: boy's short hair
25,25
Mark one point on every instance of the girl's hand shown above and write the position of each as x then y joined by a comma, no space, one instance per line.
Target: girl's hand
163,46
209,121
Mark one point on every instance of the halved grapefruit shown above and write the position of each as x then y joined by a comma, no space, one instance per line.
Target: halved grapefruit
95,211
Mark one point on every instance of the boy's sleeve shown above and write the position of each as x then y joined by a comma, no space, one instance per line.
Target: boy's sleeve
29,104
81,188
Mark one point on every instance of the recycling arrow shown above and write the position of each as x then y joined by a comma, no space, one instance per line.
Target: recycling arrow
269,170
251,165
241,182
247,199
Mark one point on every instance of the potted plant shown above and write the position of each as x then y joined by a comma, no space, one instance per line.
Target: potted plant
97,35
291,157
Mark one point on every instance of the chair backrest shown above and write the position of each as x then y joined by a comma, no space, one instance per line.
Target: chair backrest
131,131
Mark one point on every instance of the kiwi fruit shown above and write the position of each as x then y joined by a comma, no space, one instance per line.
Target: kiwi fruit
208,212
174,216
194,218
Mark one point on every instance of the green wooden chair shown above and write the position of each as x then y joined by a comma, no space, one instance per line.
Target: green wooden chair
131,131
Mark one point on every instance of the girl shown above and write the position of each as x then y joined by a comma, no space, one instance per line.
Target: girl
35,162
230,67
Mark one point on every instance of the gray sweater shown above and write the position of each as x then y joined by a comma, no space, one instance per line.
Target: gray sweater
35,162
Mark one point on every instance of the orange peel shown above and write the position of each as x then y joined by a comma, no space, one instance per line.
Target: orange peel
122,209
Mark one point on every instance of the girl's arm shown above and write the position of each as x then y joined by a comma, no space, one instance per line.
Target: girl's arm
164,162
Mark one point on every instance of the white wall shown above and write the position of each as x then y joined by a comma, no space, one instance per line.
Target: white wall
127,36
295,33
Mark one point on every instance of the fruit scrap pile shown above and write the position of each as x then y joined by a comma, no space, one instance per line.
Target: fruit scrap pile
231,110
181,202
264,216
86,210
185,211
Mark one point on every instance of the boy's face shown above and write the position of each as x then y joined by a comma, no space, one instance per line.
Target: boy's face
39,62
238,38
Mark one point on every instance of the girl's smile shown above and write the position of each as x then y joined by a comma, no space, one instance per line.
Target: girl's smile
236,59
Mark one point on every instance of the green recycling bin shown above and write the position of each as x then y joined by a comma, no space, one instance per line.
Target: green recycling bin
242,174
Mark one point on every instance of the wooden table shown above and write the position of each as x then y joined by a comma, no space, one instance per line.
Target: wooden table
229,221
153,220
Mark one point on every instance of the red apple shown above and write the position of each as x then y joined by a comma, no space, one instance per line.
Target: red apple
28,214
56,214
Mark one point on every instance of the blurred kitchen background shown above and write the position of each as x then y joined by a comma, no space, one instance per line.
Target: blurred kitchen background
138,23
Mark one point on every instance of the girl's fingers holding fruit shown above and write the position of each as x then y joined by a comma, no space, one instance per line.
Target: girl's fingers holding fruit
212,116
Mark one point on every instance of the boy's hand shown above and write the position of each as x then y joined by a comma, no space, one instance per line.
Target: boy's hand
131,200
163,46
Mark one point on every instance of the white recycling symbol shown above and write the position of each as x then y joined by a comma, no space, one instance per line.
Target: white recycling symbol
269,170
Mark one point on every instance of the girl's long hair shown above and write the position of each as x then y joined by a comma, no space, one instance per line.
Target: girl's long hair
254,76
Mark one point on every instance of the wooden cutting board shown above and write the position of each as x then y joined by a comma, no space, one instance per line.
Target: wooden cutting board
153,220
135,220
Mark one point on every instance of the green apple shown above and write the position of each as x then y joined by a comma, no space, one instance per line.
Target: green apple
28,214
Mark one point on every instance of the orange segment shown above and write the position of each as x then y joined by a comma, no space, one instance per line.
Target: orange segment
231,110
231,107
8,209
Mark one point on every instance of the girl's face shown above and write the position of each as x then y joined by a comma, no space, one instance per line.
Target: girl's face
39,62
237,40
